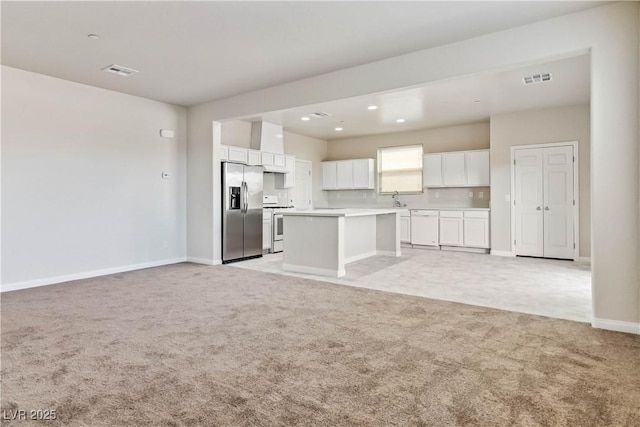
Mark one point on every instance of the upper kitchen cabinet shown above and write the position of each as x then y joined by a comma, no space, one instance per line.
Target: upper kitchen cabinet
453,173
456,169
329,175
363,173
287,179
477,168
432,170
357,174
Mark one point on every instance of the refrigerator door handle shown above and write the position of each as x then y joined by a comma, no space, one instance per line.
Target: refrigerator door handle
245,196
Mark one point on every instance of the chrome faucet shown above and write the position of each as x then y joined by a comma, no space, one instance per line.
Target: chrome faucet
396,200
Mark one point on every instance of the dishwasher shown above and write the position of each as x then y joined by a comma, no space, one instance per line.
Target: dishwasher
424,227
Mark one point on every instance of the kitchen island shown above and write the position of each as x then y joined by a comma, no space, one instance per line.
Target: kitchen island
322,241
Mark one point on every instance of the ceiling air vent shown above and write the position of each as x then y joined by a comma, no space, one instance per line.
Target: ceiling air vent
119,70
320,115
537,78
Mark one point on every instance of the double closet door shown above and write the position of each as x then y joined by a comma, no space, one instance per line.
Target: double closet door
544,202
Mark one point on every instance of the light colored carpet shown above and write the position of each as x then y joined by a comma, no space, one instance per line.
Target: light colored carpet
546,287
189,345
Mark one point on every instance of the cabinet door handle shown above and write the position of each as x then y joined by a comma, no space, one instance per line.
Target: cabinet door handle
546,208
538,208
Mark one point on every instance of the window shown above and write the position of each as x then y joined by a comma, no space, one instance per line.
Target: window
400,169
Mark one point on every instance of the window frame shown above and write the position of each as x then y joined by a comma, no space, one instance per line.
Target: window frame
379,169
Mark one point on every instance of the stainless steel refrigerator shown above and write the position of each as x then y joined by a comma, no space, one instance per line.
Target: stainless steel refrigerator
241,211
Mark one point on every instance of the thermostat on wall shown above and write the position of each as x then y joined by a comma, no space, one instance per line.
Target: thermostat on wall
167,133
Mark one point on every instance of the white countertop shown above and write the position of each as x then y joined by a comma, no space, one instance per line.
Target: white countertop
342,212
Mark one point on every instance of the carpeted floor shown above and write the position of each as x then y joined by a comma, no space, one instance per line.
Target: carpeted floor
189,345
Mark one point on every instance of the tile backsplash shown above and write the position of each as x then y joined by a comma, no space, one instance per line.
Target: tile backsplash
285,196
472,197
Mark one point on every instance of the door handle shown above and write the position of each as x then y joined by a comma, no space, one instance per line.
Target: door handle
246,196
538,208
546,208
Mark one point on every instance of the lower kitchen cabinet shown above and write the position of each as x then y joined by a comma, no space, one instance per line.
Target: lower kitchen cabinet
405,228
266,229
451,228
476,229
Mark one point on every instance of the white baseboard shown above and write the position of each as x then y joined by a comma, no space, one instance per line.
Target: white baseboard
389,253
204,261
86,275
584,260
313,270
502,253
360,256
463,249
617,325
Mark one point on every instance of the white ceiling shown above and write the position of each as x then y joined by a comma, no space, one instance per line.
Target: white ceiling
193,52
443,103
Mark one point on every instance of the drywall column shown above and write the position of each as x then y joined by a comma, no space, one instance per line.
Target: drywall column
614,175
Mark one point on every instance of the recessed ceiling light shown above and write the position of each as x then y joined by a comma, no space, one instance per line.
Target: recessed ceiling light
372,107
338,129
305,118
93,36
477,101
400,121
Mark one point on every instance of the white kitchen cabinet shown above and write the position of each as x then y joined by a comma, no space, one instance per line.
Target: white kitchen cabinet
456,169
356,174
267,159
424,227
344,172
477,168
287,179
279,161
254,157
224,153
405,227
453,173
451,228
363,174
432,170
266,229
329,176
237,154
476,229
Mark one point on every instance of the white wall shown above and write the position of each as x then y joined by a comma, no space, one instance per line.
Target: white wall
610,32
537,127
81,180
314,150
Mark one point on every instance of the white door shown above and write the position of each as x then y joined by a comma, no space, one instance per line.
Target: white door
303,188
558,202
544,206
528,202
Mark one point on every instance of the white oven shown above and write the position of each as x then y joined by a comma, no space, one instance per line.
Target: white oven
278,232
271,204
